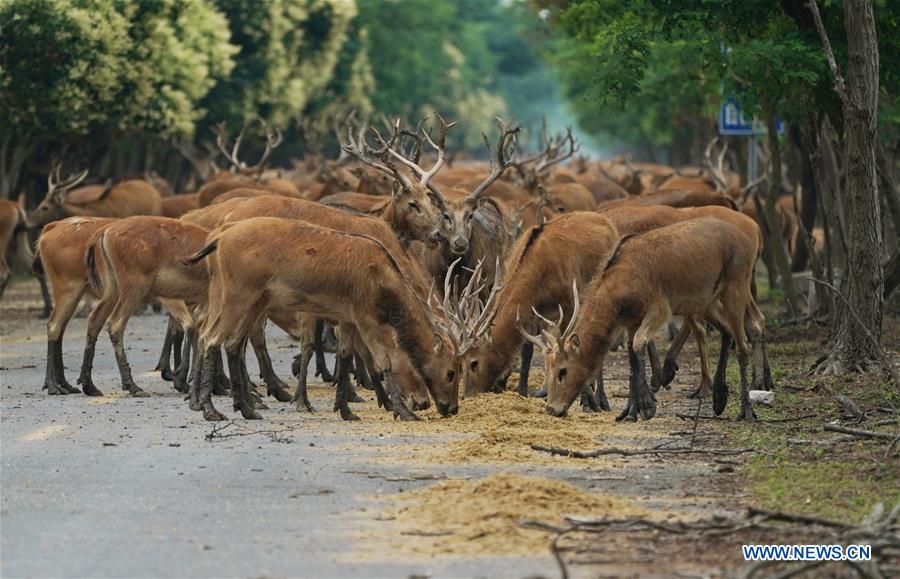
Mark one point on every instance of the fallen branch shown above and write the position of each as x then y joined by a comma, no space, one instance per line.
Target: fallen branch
858,432
852,407
626,452
244,430
794,518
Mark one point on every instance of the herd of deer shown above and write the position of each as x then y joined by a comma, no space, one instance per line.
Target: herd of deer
430,277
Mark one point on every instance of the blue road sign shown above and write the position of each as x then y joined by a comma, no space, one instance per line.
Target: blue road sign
732,121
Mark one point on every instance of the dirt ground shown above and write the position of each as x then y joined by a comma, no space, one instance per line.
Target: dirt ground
465,496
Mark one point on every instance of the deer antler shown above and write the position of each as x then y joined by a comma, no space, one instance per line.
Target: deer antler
504,157
378,159
57,185
273,139
423,175
552,336
717,171
555,154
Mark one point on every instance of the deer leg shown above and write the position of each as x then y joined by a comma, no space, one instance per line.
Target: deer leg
670,365
524,369
747,412
319,346
180,377
221,382
96,320
397,403
655,366
66,302
164,366
240,385
699,330
762,372
301,397
588,402
207,380
45,296
600,392
384,401
640,397
364,380
343,389
250,386
274,385
720,381
116,336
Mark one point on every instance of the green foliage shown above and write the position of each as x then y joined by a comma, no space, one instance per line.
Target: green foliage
660,66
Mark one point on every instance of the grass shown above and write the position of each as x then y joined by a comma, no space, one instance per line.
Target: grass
802,468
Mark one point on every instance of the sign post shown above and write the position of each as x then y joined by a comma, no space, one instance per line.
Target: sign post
732,121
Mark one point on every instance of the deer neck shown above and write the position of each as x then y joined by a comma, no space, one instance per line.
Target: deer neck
391,214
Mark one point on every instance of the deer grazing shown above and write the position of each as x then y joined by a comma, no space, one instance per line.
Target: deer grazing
645,283
13,239
132,197
538,273
349,277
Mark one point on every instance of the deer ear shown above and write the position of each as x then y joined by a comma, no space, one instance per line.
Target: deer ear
573,344
438,343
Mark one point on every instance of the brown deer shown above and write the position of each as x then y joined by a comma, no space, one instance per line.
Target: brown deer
640,219
133,197
60,258
349,277
672,198
700,269
13,239
178,205
130,262
245,176
537,275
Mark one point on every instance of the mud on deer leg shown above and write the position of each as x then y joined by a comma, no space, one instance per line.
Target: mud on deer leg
164,366
588,402
761,371
640,397
87,365
45,295
364,379
384,401
343,389
600,393
670,365
720,382
252,394
128,383
399,406
524,369
207,379
655,366
180,377
274,385
319,347
52,383
301,396
221,382
747,412
240,386
61,370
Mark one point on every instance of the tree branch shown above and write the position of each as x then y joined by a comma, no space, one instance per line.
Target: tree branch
839,86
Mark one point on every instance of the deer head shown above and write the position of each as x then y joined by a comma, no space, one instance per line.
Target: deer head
52,208
532,170
416,210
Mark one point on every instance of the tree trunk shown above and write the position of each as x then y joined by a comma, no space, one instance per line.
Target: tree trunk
809,200
850,348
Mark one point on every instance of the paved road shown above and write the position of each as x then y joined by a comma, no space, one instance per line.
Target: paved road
120,486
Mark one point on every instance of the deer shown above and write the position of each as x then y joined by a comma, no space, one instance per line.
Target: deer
245,176
130,262
573,246
350,277
13,239
311,212
63,199
60,258
177,205
672,198
640,219
645,282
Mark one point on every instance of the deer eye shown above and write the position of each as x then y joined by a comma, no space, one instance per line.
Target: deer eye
474,364
450,375
469,216
413,206
447,219
562,374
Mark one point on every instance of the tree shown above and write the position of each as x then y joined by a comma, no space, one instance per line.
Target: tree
850,345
